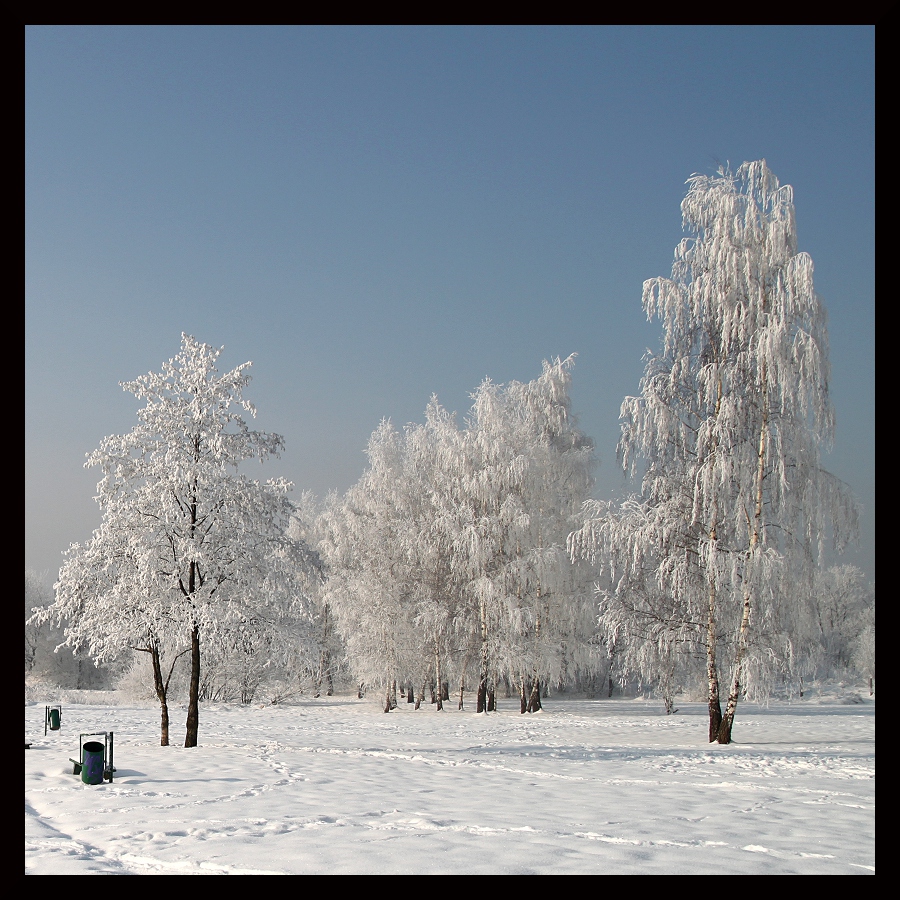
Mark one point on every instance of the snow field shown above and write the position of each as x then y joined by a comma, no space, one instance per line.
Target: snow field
335,786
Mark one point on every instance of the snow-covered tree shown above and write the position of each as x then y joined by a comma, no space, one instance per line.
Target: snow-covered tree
864,647
838,606
191,551
732,416
434,453
109,604
328,660
651,602
37,595
825,624
46,662
364,544
446,561
543,591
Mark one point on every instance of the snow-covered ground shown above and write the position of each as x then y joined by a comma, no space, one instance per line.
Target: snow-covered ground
335,786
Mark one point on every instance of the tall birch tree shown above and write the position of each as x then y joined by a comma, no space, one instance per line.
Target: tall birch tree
733,415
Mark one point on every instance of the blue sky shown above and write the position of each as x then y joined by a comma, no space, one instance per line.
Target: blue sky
373,215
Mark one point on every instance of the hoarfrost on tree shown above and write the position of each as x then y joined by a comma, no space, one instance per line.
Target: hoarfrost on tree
191,552
729,425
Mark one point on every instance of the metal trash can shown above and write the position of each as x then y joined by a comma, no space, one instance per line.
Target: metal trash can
54,719
92,762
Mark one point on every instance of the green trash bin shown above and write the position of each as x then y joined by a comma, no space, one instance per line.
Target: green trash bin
54,719
92,762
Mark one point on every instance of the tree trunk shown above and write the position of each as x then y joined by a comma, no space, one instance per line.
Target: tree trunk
161,694
668,690
462,678
193,716
161,686
323,674
438,676
481,702
727,723
534,701
712,671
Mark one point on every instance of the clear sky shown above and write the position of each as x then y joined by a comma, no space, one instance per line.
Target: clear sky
372,215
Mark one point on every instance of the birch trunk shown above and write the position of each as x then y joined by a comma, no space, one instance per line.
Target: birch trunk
438,677
727,724
712,671
481,703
